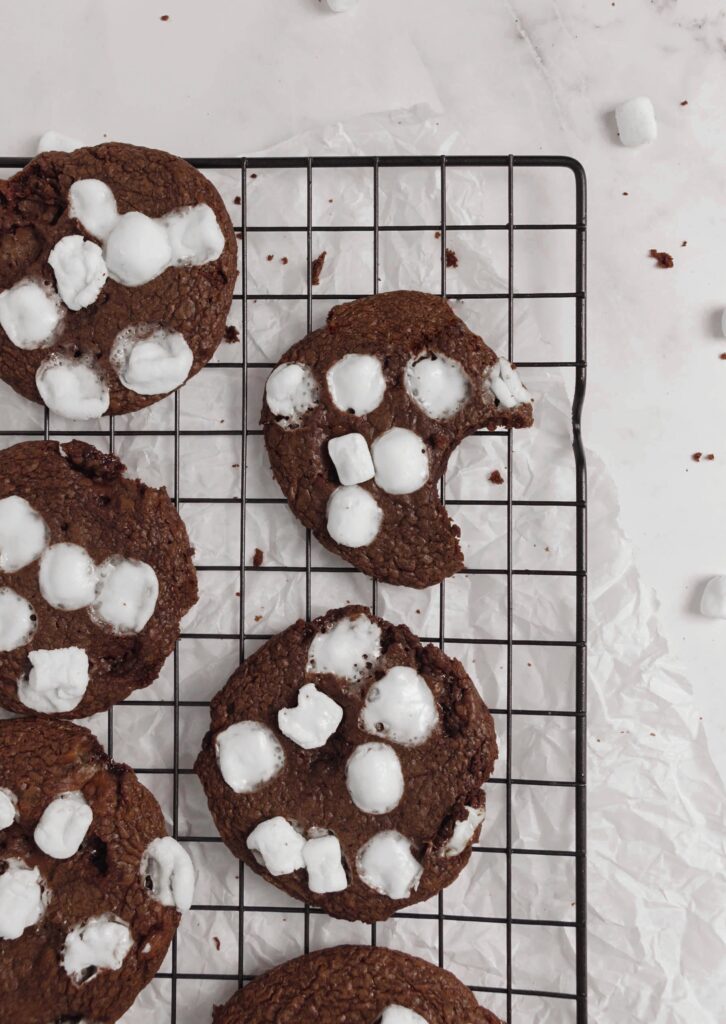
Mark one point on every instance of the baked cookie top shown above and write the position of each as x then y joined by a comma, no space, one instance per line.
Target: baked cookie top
345,764
96,573
361,417
358,985
90,884
117,267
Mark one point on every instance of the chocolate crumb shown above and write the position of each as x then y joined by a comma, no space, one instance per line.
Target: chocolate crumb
253,175
626,193
663,259
710,457
684,103
231,334
238,200
258,618
330,200
722,356
437,234
697,456
317,267
217,943
236,593
452,260
258,558
496,477
683,245
164,17
284,260
269,257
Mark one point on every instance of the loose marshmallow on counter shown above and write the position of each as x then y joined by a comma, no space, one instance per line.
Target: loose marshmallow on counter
401,461
506,384
636,121
464,831
137,250
401,707
437,384
67,577
396,1014
126,594
21,899
93,205
713,598
356,383
277,845
56,682
101,943
386,865
80,271
17,620
324,862
354,517
341,6
23,533
346,649
313,721
374,778
72,388
63,825
194,235
51,141
352,459
29,314
8,807
169,868
151,360
249,755
291,391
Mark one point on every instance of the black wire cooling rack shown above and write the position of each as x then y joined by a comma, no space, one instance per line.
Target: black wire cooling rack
562,1001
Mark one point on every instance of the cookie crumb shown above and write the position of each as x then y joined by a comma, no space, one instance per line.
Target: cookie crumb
253,175
437,234
164,17
710,457
683,245
722,356
495,477
269,257
236,593
684,103
697,456
258,558
626,193
238,200
284,260
235,465
258,618
330,200
231,334
663,259
452,260
317,267
217,943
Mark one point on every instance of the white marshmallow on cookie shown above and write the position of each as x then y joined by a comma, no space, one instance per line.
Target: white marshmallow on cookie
291,391
354,517
249,755
93,205
101,943
437,384
151,360
374,778
17,620
352,458
323,859
169,868
51,141
278,846
72,388
29,314
356,383
126,594
397,1014
464,831
346,649
506,385
57,680
67,577
400,707
386,865
23,534
137,249
80,271
194,235
8,808
401,461
22,901
311,724
63,825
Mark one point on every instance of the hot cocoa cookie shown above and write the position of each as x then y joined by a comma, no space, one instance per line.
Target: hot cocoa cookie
345,762
358,985
117,267
90,884
96,573
360,419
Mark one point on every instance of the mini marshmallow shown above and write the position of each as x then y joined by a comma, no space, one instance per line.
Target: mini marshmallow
92,203
72,388
723,322
636,121
167,870
464,831
437,384
341,6
374,778
17,620
277,846
505,383
347,649
151,360
137,249
8,808
67,577
80,271
55,142
63,825
713,598
249,755
401,461
102,943
291,391
352,459
21,899
56,682
396,1014
126,594
356,383
194,235
29,314
386,865
354,517
313,721
401,707
324,862
23,534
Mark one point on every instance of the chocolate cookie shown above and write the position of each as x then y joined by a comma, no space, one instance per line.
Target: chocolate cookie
95,574
345,763
360,419
90,884
117,267
358,985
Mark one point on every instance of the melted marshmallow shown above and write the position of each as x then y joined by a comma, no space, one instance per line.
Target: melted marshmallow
401,707
249,755
291,391
277,846
80,271
63,825
401,460
102,943
313,721
374,778
356,383
8,807
324,862
353,517
194,235
21,899
92,203
397,1014
437,384
17,620
352,458
57,680
29,314
137,250
464,831
505,383
126,594
386,865
347,649
67,577
167,870
713,598
151,360
23,534
72,388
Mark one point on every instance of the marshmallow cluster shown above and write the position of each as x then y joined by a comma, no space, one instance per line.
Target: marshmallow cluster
282,849
166,868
